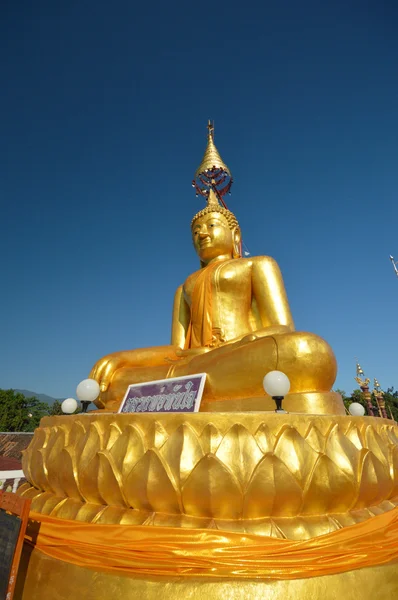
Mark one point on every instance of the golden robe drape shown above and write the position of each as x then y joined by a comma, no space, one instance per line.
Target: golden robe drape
200,331
170,551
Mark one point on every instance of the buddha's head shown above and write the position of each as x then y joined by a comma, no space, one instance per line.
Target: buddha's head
215,232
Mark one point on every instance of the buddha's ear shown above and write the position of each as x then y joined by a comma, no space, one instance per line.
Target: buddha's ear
237,239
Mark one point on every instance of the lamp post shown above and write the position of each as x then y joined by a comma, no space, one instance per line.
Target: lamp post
69,406
276,384
87,391
356,409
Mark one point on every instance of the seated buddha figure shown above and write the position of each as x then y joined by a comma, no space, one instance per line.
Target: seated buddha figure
232,321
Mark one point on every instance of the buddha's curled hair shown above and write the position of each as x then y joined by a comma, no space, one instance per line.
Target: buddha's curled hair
230,217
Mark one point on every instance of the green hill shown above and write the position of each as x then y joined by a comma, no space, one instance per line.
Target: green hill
42,397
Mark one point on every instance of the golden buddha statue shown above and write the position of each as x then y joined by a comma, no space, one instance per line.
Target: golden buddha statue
218,503
232,321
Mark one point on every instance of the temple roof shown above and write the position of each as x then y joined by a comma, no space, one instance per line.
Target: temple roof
12,444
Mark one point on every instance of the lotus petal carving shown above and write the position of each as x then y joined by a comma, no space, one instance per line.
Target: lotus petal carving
240,453
273,490
375,483
210,439
110,485
149,485
329,489
315,439
295,453
212,490
52,459
375,441
181,452
68,476
291,475
89,463
127,449
354,435
342,452
265,438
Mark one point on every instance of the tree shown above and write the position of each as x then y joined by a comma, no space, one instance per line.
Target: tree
356,396
390,398
55,409
18,413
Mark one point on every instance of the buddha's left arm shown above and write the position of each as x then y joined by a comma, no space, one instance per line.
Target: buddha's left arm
270,295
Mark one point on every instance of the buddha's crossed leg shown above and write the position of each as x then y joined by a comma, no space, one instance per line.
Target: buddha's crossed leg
233,370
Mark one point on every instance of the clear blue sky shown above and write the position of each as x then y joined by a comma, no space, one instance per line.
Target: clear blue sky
104,108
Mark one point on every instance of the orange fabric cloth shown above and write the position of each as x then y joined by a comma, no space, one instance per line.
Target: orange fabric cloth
200,332
172,551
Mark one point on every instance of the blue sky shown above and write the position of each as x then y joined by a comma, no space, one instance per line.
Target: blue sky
103,122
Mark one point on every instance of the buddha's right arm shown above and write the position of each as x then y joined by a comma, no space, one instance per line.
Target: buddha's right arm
181,319
104,369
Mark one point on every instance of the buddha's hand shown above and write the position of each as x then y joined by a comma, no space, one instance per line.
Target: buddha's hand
104,369
248,338
181,352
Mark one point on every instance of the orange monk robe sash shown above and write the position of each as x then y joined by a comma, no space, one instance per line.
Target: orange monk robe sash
139,550
200,330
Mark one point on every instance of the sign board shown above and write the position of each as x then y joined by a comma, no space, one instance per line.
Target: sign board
180,394
14,514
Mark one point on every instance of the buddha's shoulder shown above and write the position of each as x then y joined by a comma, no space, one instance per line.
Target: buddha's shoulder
258,261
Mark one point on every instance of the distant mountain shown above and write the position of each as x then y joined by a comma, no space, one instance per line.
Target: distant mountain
42,397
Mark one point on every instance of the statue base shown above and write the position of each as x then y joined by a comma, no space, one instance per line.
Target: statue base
215,505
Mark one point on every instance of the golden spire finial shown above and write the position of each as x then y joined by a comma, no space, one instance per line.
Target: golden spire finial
211,159
376,385
362,382
210,127
359,369
213,180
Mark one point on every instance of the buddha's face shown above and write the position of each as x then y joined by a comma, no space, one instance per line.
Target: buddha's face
212,237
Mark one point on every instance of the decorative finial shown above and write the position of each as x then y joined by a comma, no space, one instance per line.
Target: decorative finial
361,382
210,127
379,397
212,172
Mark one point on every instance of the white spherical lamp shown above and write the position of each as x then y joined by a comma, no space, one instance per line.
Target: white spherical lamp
87,391
277,385
69,406
356,409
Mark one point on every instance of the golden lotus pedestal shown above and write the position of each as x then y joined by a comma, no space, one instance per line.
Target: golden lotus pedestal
216,505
